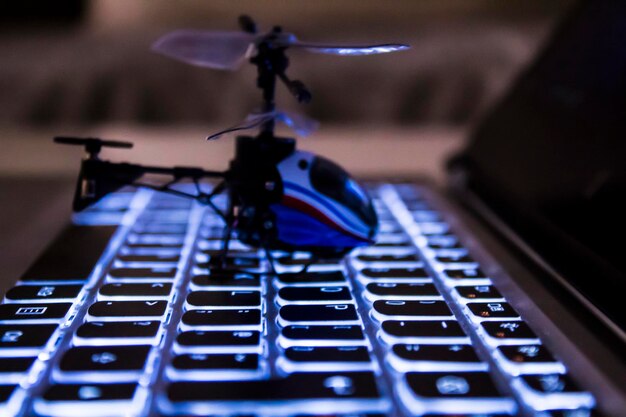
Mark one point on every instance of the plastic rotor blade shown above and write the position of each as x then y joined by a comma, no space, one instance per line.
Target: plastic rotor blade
223,50
302,125
351,50
246,125
299,123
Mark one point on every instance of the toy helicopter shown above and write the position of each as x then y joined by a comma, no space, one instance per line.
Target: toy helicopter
279,198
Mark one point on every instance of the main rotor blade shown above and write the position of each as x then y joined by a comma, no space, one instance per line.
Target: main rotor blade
223,50
302,125
299,123
350,50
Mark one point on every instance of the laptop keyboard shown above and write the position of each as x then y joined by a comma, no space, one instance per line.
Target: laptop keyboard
409,326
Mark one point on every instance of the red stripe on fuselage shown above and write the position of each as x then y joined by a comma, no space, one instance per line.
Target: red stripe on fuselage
312,211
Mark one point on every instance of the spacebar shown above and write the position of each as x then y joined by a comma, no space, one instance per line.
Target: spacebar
326,390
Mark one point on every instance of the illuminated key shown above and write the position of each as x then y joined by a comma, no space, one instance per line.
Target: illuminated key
13,369
127,310
321,335
453,392
439,331
325,278
135,290
517,359
553,391
95,363
52,292
400,309
325,359
478,292
222,366
324,392
390,257
248,341
202,319
52,312
493,310
154,258
93,399
318,314
423,357
443,242
327,354
395,273
117,333
224,299
509,332
143,273
24,338
394,291
224,279
313,294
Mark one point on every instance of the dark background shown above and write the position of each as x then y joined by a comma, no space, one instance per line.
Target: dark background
85,62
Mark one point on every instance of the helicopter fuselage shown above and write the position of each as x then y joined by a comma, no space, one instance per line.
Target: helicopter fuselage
294,200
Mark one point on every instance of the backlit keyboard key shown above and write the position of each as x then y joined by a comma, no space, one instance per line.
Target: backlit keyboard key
117,332
127,310
554,391
389,309
215,362
382,290
157,289
321,335
147,273
322,314
433,228
43,292
34,312
327,392
508,331
460,274
308,278
98,362
454,392
18,336
407,257
222,341
224,299
325,359
234,262
493,310
166,258
327,354
249,318
443,242
525,354
227,279
78,400
15,365
314,294
444,331
453,259
478,292
423,357
517,359
395,273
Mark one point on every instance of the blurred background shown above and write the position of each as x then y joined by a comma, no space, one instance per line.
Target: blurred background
81,67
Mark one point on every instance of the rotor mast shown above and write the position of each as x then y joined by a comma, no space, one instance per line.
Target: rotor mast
272,62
